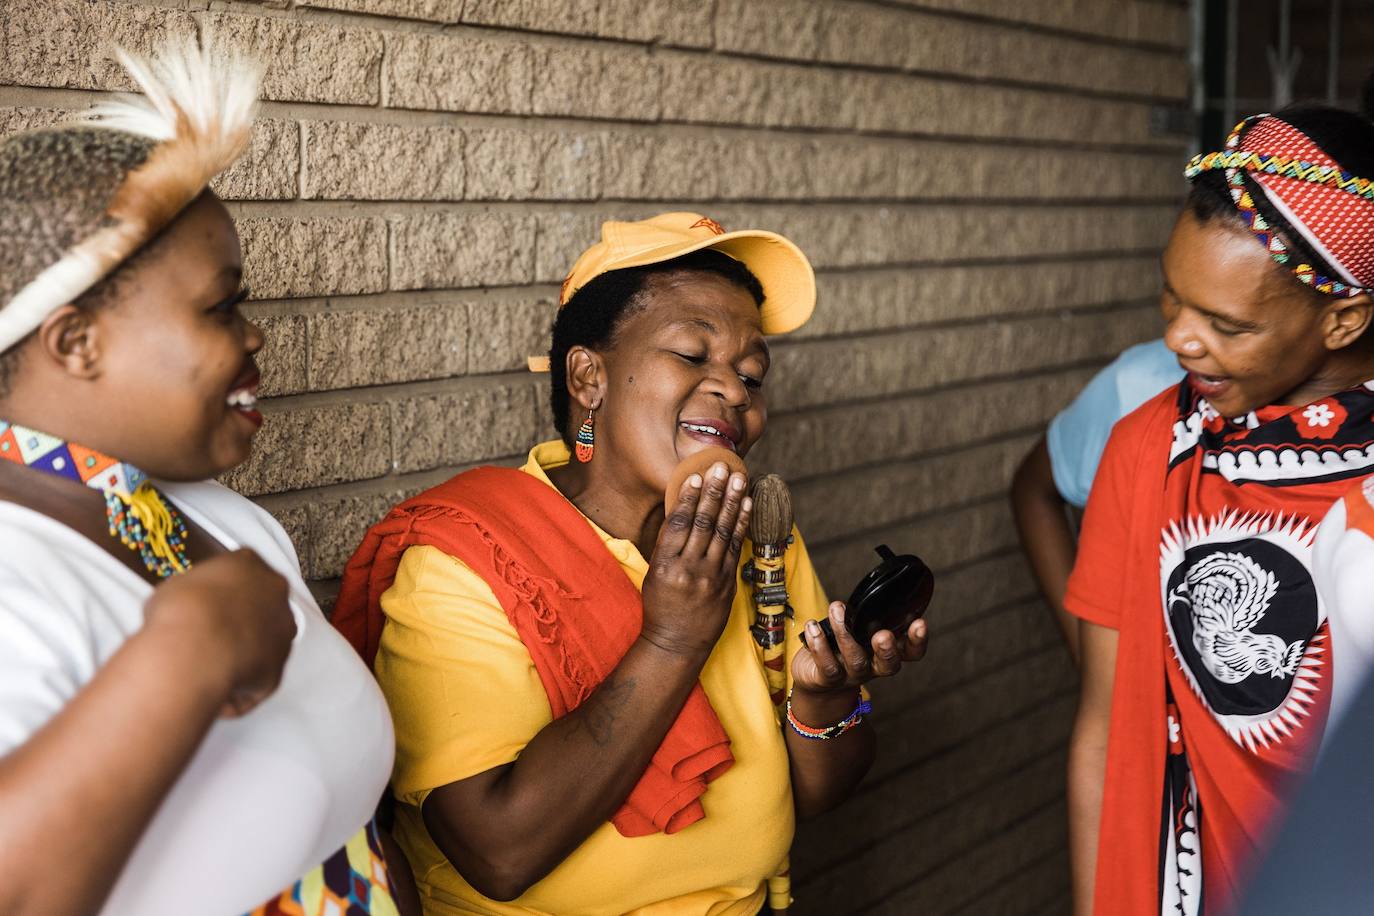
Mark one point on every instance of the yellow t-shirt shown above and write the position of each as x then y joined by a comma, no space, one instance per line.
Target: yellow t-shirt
465,698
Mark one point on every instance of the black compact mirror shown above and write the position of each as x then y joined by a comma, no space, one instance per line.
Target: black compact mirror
890,597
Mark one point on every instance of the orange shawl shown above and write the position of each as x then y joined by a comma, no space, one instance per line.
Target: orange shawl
568,599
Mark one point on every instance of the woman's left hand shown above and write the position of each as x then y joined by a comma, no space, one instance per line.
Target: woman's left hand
819,669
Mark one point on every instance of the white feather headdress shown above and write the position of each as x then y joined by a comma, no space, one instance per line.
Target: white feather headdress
198,104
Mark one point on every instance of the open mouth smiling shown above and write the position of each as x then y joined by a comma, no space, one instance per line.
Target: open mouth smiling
712,432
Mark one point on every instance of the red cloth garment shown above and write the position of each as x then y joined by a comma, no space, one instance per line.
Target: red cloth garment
1197,549
566,596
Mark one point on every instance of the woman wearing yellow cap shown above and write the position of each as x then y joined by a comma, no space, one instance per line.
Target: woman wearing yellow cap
583,721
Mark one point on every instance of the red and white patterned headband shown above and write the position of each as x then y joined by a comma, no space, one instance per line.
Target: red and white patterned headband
1329,208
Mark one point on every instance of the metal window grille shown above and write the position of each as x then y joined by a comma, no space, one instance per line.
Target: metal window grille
1264,54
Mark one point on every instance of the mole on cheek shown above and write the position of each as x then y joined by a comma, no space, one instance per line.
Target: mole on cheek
631,381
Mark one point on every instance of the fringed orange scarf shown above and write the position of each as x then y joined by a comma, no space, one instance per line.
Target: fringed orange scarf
568,599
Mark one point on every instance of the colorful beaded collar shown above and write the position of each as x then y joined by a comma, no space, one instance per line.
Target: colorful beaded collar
139,516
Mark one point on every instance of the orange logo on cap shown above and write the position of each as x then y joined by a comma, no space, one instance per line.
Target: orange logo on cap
709,223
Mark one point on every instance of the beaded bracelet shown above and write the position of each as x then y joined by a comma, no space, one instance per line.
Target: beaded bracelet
832,731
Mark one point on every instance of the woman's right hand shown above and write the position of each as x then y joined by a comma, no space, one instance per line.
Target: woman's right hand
693,572
231,610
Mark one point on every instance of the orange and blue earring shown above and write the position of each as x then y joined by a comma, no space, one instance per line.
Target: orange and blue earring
586,438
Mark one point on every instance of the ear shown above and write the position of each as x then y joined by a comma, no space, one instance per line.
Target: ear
70,338
1347,319
586,374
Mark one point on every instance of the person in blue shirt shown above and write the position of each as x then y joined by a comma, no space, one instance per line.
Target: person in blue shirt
1059,469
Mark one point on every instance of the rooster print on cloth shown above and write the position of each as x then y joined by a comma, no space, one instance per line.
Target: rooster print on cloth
1245,620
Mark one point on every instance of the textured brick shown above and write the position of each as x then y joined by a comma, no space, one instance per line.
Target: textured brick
431,10
336,527
575,17
839,236
347,160
1040,887
266,171
315,446
285,257
945,539
660,166
308,62
871,300
885,495
670,21
767,94
525,164
474,422
824,372
779,168
982,758
458,73
66,43
1130,20
1007,688
563,237
503,334
454,250
898,856
356,347
776,28
822,441
270,169
588,81
988,867
282,358
877,36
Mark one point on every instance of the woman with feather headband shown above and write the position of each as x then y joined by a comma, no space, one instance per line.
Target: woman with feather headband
181,731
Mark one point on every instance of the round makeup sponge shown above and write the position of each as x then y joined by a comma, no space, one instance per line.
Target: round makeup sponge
699,463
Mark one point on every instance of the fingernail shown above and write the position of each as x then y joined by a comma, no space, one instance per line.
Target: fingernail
813,628
837,612
737,483
694,480
719,471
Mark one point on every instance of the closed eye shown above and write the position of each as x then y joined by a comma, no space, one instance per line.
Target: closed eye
695,360
226,307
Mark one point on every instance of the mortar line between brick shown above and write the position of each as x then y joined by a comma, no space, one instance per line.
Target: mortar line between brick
1036,702
555,39
965,909
906,521
1001,778
1063,313
597,208
1019,378
1092,37
915,458
1003,830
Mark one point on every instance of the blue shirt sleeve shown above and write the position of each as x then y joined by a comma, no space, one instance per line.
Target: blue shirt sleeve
1078,434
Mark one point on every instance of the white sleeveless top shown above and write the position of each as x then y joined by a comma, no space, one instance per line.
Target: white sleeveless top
267,797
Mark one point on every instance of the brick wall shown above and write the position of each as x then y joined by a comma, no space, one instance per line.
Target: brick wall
976,181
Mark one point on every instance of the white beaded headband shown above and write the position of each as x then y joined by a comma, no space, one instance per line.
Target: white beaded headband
198,105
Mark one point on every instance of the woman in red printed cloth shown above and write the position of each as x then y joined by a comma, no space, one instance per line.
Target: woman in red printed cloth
1206,646
586,721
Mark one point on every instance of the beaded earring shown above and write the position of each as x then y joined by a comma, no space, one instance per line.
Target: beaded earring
586,437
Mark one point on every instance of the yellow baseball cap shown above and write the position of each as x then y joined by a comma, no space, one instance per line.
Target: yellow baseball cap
789,283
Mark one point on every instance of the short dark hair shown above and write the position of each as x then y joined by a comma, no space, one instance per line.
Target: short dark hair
595,313
56,185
